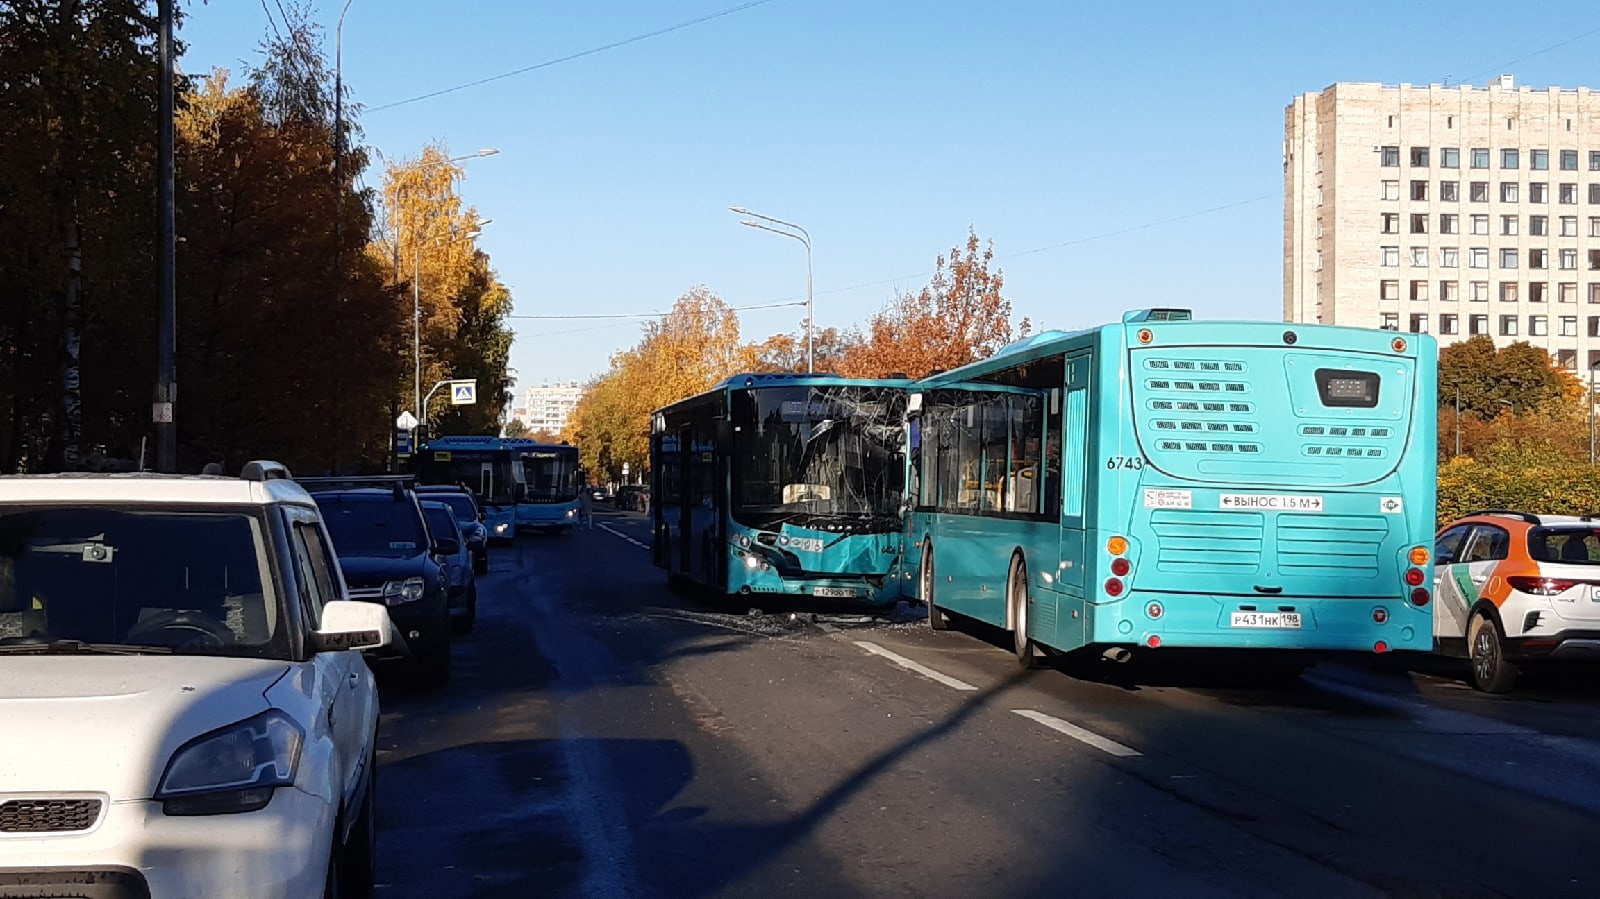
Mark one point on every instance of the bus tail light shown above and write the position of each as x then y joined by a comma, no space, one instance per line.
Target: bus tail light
1154,610
1113,587
1380,647
1153,641
1120,567
1419,555
1117,545
1415,577
1419,596
1380,615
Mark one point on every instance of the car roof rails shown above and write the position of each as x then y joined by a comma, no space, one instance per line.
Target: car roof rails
265,470
1528,517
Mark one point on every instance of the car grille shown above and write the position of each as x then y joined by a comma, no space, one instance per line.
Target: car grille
48,815
366,594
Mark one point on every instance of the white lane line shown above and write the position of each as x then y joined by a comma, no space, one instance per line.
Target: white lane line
827,628
609,528
918,667
1091,738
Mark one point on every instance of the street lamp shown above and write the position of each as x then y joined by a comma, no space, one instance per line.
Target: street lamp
804,238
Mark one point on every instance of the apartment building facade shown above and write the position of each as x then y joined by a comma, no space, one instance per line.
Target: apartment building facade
1455,211
548,407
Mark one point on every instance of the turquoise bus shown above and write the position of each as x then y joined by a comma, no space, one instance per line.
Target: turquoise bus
486,465
1170,482
554,478
783,484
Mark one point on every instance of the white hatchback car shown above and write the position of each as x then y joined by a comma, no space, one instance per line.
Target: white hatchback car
184,709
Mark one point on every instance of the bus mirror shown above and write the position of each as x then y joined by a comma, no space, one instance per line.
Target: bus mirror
914,404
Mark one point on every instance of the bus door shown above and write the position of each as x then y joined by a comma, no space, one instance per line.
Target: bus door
686,499
1073,419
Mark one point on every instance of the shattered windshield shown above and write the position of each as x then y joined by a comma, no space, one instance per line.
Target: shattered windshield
804,452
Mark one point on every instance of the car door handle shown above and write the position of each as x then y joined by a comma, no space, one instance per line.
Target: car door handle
1480,580
354,679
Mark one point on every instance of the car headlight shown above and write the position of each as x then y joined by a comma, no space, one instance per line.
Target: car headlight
571,513
408,590
234,769
501,527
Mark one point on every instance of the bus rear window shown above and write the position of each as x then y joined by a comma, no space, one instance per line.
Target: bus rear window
1565,546
1343,388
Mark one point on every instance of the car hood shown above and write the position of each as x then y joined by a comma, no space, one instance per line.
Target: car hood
372,571
109,724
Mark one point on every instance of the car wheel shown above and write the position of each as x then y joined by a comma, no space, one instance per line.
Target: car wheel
1492,672
462,624
360,862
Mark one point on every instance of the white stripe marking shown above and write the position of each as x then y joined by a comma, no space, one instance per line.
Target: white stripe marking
1077,733
827,628
607,527
918,667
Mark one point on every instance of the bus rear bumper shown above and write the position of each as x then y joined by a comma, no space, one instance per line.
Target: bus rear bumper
1273,622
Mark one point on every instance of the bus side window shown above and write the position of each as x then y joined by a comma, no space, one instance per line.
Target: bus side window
1052,452
1075,445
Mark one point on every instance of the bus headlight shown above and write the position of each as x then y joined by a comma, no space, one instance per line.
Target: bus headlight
752,563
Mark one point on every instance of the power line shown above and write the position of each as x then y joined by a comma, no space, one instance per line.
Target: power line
1526,56
642,314
579,55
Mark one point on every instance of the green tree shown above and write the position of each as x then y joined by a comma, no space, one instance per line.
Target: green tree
1517,378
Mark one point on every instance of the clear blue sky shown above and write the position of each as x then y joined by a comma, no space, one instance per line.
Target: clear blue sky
886,129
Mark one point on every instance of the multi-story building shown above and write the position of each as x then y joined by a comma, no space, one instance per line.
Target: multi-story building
1454,210
547,408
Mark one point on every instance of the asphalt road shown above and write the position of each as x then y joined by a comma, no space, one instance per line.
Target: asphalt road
606,737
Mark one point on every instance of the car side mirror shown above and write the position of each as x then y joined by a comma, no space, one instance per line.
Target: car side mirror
348,625
447,546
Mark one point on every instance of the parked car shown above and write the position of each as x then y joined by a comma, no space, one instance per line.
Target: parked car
1513,588
185,708
389,557
460,578
468,514
633,498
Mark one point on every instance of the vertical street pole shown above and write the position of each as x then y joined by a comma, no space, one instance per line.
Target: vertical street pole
166,286
1458,420
811,310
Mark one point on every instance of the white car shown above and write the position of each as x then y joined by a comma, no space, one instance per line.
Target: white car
184,710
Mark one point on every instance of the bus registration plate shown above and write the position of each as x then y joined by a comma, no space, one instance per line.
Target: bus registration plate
844,592
1266,619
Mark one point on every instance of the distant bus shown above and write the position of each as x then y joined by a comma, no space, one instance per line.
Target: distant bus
1168,482
488,466
554,478
783,484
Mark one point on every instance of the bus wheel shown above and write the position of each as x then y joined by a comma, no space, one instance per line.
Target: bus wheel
1017,591
937,619
1491,671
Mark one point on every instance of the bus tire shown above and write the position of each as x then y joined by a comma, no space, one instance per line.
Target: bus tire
1028,653
937,619
1492,672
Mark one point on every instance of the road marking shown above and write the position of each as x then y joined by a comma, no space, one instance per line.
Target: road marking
918,667
609,528
1091,738
827,628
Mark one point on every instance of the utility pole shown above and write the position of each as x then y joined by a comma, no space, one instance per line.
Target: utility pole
166,397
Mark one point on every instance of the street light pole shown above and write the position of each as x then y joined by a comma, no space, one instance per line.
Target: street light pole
338,134
163,411
1592,367
1458,421
805,238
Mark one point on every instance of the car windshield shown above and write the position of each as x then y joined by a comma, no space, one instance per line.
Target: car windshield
441,521
459,503
1567,546
193,583
380,527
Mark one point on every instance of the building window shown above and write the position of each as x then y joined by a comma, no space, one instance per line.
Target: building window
1419,190
1569,292
1508,291
1594,160
1388,290
1419,257
1594,260
1538,192
1449,292
1391,222
1419,291
1594,294
1569,326
1569,260
1419,323
1538,326
1479,292
1478,324
1419,157
1508,159
1319,260
1447,324
1569,226
1391,321
1569,160
1450,158
1539,258
1539,225
1478,257
1419,223
1480,158
1508,326
1391,190
1319,227
1594,226
1480,224
1508,258
1567,193
1594,194
1539,161
1508,224
1450,223
1450,191
1391,157
1478,192
1538,292
1508,192
1319,195
1391,257
1449,257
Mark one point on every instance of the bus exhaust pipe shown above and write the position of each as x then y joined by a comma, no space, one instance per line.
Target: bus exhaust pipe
1117,654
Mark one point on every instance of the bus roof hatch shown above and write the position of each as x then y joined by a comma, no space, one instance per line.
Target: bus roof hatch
1158,315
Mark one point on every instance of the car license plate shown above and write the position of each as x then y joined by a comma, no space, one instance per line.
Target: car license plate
1266,619
845,592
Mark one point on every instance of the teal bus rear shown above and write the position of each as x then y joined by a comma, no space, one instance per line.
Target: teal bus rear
782,484
487,466
1241,485
554,477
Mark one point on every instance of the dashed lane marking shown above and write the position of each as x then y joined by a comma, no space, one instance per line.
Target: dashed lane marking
608,528
918,667
1111,747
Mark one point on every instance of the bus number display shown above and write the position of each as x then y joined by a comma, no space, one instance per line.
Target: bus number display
1130,463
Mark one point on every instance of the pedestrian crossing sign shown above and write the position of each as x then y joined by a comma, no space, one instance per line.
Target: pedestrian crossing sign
464,393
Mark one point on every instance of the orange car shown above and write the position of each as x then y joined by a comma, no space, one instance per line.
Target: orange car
1513,587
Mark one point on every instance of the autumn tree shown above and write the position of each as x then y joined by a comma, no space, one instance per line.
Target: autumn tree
787,352
1517,378
515,428
961,316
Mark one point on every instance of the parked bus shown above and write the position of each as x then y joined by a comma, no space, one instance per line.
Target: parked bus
783,484
1168,482
488,466
554,478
